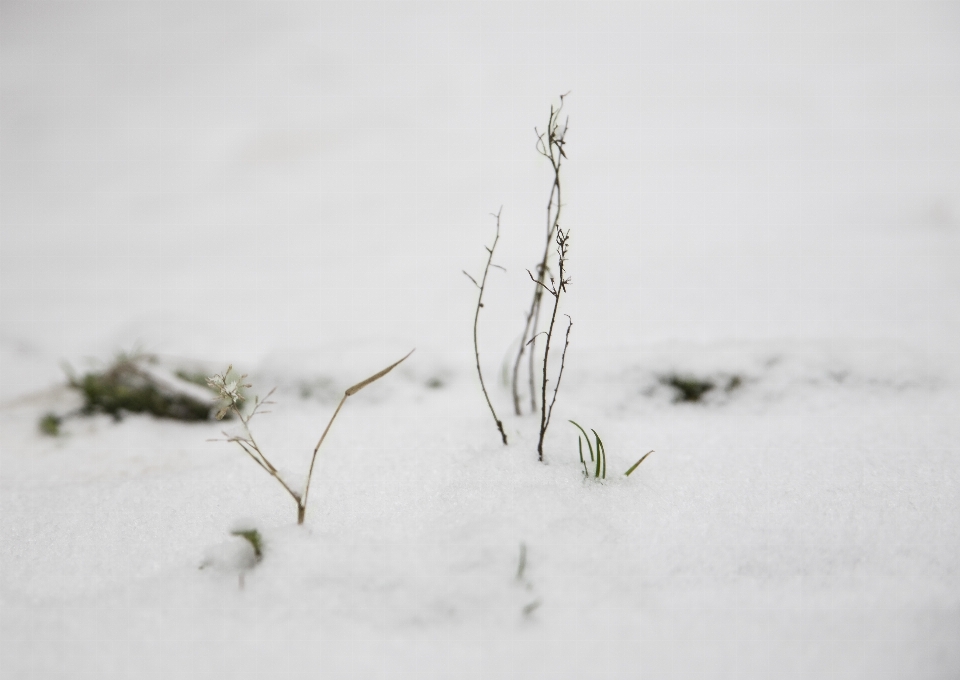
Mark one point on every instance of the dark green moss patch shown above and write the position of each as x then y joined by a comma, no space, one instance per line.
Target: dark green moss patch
136,385
124,388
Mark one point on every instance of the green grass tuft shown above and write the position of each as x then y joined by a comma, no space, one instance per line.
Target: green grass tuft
598,455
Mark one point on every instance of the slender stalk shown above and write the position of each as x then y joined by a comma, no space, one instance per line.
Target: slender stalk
555,290
550,145
476,320
350,391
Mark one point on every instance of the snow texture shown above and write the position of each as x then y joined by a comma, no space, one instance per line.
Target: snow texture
762,196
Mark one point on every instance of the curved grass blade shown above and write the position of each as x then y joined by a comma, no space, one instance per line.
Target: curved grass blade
601,455
585,436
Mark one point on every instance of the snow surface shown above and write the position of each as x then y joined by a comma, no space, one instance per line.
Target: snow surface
765,190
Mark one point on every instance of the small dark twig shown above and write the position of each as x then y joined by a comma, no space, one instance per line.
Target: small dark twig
563,244
476,320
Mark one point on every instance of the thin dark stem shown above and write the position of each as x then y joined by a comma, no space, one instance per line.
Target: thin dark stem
555,290
563,361
476,320
550,145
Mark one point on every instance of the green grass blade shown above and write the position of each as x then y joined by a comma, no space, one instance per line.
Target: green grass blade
602,454
637,464
585,436
599,453
586,472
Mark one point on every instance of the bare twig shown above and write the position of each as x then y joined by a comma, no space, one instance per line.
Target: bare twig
550,144
563,241
476,320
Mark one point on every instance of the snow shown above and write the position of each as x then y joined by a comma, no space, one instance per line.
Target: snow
761,191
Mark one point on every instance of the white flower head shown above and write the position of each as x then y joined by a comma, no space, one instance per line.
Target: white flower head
228,390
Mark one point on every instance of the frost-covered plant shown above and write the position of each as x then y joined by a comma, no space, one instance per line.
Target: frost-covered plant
230,388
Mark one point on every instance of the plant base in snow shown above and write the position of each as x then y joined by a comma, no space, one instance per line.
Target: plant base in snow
598,455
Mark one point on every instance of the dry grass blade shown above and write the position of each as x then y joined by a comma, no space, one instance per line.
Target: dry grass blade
373,378
637,464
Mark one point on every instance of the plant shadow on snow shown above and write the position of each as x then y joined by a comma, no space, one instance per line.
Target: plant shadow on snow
688,388
723,375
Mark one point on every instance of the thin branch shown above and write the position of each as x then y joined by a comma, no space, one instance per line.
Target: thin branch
563,239
550,145
476,322
563,360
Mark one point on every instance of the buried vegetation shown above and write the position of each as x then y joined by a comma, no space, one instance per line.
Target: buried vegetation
693,389
134,384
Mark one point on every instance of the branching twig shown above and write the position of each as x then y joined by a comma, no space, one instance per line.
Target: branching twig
476,319
555,289
550,145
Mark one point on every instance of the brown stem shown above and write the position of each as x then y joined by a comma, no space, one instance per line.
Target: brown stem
550,146
557,290
350,391
476,320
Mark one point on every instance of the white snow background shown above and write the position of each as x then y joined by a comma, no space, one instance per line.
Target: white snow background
769,190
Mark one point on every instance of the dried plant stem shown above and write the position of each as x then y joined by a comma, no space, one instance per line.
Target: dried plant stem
550,145
476,320
555,289
302,505
252,449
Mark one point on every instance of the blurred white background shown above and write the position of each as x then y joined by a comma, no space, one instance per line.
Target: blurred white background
229,180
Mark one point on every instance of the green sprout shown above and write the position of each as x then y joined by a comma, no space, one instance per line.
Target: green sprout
252,536
600,457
